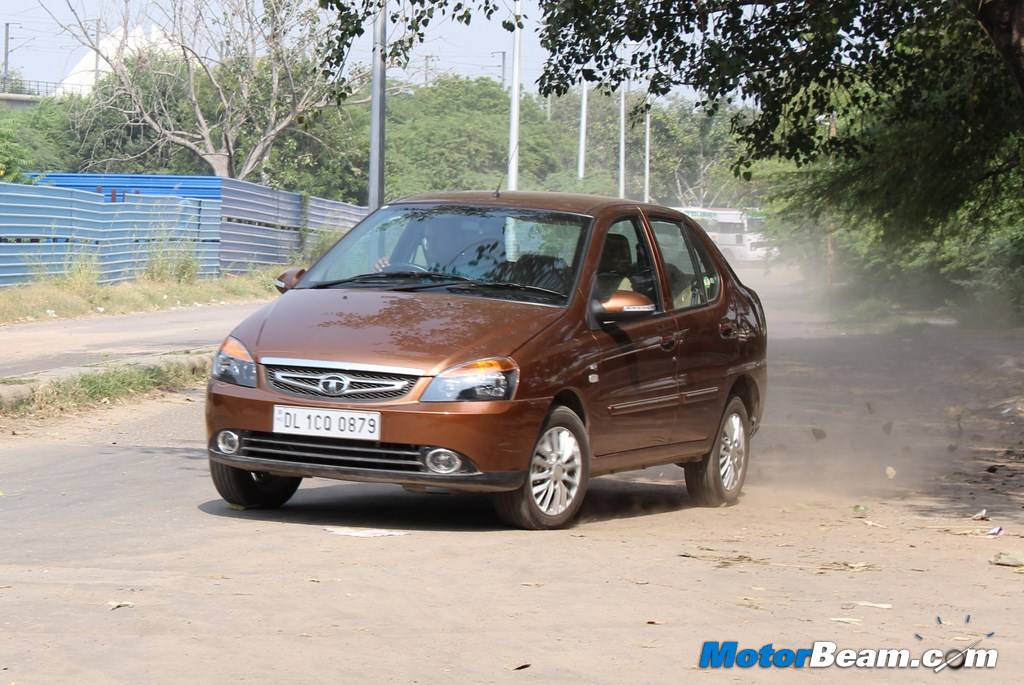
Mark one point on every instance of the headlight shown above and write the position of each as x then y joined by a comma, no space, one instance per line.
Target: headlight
486,379
234,364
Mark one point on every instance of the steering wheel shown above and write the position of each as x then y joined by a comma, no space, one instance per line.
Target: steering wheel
403,266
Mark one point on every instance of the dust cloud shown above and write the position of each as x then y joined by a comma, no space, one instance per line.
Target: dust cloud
898,406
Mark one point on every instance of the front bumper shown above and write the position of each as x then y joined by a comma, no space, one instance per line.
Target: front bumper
472,482
496,438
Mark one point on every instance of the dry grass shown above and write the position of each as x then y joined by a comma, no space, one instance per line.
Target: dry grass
77,294
172,261
100,387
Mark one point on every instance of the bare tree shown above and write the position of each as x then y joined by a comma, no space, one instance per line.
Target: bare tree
694,186
222,79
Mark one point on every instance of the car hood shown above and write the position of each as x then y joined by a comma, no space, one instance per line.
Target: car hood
428,331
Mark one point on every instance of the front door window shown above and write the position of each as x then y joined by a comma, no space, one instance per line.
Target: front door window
625,263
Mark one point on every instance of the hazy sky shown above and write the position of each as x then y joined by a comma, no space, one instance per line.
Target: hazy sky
41,52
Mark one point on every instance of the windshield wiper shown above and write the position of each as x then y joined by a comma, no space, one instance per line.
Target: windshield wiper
441,279
506,285
388,275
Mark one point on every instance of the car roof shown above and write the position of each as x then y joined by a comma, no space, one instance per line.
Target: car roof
576,203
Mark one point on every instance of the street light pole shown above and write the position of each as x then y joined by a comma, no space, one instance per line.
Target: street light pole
622,140
378,109
581,161
513,128
647,155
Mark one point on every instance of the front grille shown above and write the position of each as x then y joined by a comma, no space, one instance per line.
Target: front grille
362,386
297,449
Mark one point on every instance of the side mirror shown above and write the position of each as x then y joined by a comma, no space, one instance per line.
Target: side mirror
623,305
288,279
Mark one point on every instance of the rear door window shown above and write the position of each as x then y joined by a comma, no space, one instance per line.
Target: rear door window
685,278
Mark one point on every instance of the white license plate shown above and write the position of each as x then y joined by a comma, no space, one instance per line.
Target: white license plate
330,423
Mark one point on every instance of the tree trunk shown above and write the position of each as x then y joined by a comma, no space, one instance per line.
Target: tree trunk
220,164
1003,21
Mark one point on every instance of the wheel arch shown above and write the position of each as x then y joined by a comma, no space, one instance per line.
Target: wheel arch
569,398
745,387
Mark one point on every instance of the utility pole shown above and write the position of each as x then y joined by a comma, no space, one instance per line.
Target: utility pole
378,108
647,154
426,68
513,124
622,140
502,53
7,54
96,58
581,159
830,252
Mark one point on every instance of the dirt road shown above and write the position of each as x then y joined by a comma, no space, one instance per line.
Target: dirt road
116,506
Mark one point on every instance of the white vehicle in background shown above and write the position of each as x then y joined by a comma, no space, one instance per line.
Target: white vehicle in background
737,233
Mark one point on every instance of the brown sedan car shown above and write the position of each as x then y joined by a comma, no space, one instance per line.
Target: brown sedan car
518,344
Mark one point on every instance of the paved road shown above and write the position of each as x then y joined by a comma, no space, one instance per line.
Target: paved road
47,346
116,506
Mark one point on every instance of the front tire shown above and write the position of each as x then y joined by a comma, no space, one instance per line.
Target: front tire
557,476
252,489
718,479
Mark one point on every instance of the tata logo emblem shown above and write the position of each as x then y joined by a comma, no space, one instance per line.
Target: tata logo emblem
333,384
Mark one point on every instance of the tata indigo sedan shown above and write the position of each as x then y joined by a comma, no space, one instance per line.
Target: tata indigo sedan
518,344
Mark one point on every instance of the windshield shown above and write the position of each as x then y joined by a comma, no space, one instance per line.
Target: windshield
510,253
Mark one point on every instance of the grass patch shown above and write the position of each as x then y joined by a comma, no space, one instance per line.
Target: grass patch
101,387
172,261
14,381
77,293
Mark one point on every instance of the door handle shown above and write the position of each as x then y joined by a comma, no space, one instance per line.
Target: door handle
670,341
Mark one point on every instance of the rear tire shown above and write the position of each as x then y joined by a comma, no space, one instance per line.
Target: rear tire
718,478
557,476
252,489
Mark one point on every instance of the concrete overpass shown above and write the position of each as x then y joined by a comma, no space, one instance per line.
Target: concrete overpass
18,100
21,94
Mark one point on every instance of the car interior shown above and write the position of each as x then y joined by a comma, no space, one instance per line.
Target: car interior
619,270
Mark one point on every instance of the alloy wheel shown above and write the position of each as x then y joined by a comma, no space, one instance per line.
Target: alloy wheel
732,452
555,470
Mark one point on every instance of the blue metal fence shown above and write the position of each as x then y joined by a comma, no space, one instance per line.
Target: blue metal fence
330,214
256,225
259,225
199,187
45,230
